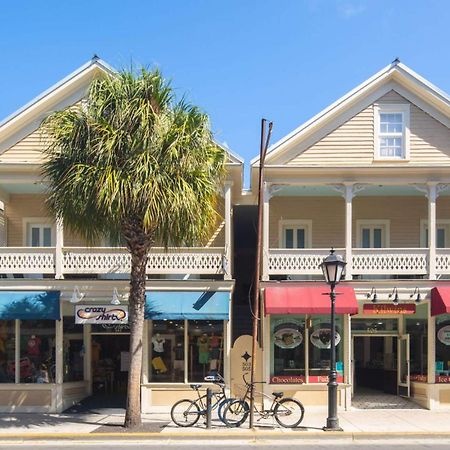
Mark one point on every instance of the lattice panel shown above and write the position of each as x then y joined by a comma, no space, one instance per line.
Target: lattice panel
206,263
295,264
32,262
389,264
96,262
443,263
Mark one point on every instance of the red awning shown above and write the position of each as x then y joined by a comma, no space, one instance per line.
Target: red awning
309,300
440,300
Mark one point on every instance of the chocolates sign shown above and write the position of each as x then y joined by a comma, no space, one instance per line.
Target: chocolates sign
287,379
388,308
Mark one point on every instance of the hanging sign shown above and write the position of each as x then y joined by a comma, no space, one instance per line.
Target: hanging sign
389,308
443,335
101,314
321,338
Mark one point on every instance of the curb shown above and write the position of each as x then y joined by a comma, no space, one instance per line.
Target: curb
208,435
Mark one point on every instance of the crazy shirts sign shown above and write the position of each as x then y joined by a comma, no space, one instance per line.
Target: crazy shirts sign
101,314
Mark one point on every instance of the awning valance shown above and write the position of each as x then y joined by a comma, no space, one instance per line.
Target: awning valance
29,305
309,300
191,305
440,300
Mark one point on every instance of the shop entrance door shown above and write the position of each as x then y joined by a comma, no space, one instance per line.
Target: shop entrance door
404,385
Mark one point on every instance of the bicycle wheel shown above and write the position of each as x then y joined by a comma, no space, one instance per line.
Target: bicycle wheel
236,413
223,404
185,413
289,412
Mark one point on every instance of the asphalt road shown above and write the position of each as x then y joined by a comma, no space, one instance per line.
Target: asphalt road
237,445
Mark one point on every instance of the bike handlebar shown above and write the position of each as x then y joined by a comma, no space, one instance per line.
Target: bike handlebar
255,382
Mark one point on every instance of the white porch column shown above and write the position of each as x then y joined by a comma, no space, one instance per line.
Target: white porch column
432,196
59,249
348,195
228,263
265,233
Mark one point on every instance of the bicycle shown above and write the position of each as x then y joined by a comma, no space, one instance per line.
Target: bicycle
186,413
287,411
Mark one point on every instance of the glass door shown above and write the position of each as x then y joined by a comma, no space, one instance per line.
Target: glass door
404,385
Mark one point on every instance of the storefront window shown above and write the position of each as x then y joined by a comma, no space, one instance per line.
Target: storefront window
206,344
166,351
287,343
417,328
37,351
319,349
7,351
73,350
443,348
375,325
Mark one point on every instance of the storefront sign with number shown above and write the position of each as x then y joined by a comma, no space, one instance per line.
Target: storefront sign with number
388,308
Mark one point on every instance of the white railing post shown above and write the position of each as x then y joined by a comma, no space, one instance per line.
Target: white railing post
59,249
228,263
432,196
348,231
265,236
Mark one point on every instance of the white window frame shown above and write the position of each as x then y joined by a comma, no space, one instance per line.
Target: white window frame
295,224
29,222
385,224
392,108
442,223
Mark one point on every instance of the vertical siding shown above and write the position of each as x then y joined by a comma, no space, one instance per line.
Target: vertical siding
352,143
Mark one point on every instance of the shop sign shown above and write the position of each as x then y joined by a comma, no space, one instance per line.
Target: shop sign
419,378
287,379
321,338
324,379
388,308
443,335
442,379
101,314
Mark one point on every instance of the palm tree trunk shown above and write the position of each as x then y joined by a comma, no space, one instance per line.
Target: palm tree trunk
136,304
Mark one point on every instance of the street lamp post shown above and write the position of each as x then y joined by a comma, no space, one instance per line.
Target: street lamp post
332,267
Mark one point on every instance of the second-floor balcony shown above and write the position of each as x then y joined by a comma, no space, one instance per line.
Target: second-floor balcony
400,262
72,261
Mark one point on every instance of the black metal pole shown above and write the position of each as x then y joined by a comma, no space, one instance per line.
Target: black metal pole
208,407
332,419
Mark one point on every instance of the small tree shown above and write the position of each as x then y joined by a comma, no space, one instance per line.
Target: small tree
135,164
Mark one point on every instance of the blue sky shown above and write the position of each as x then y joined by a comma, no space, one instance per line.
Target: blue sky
239,60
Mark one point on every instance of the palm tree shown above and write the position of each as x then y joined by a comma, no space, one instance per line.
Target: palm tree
134,163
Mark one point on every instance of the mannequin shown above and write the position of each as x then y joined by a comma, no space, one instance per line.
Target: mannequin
158,344
158,352
203,351
34,348
214,342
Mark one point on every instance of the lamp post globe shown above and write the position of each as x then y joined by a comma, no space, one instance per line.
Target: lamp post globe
333,267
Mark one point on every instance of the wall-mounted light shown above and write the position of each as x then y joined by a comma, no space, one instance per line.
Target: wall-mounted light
417,293
373,295
77,296
115,298
394,294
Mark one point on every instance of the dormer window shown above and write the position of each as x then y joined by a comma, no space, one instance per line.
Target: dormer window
391,132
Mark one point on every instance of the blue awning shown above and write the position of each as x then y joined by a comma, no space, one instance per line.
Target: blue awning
191,305
29,305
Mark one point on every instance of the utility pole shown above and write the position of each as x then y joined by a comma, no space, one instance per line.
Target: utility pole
262,156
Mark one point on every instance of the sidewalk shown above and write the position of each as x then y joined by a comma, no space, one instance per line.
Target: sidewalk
100,424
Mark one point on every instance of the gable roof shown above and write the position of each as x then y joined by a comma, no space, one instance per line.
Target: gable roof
429,97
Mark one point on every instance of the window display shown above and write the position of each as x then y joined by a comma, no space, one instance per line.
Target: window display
73,350
37,351
205,348
166,351
287,349
319,349
443,348
7,351
417,328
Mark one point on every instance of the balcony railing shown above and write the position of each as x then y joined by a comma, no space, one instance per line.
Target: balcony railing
109,260
365,261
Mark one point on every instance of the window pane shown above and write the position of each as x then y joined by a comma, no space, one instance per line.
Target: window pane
391,147
166,349
73,350
375,325
443,348
366,237
440,238
287,349
205,348
37,351
426,237
47,237
377,234
289,237
417,328
319,349
35,237
300,238
7,351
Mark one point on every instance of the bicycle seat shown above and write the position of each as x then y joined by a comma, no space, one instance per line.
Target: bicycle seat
195,386
278,394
